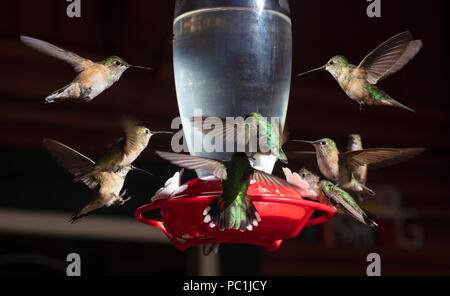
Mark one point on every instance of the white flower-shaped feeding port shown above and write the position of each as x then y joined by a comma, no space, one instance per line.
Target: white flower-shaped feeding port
171,188
302,186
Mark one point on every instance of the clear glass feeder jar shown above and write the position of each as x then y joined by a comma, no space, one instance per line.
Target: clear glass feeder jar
232,57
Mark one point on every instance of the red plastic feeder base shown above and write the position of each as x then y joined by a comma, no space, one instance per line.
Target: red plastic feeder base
283,213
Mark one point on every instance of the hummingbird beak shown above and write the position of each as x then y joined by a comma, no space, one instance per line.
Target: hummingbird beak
141,170
303,141
313,70
140,67
162,132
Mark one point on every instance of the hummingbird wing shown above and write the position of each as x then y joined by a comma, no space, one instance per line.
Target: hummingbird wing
284,135
51,50
269,134
273,180
223,129
132,137
212,166
240,132
386,156
390,56
73,161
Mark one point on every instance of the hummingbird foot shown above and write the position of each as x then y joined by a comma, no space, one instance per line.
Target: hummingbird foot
118,200
121,199
333,188
85,94
125,200
123,193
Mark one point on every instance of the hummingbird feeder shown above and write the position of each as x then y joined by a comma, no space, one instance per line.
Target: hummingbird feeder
231,58
284,213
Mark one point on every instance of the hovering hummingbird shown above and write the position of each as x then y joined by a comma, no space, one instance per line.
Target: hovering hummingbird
359,82
122,153
354,143
339,167
107,184
233,209
93,77
269,138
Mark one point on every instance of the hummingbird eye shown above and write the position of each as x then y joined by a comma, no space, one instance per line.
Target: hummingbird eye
331,63
117,63
323,143
303,175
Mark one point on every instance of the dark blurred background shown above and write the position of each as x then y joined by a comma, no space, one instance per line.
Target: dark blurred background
38,196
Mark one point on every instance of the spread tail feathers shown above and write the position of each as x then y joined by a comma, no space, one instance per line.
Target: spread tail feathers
71,91
60,94
399,105
382,98
235,216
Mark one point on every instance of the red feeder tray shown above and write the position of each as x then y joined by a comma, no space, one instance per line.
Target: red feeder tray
283,213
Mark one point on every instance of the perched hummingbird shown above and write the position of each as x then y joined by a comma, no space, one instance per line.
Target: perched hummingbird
329,194
310,178
122,153
303,187
343,202
339,167
107,185
93,77
359,82
333,196
233,209
268,137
